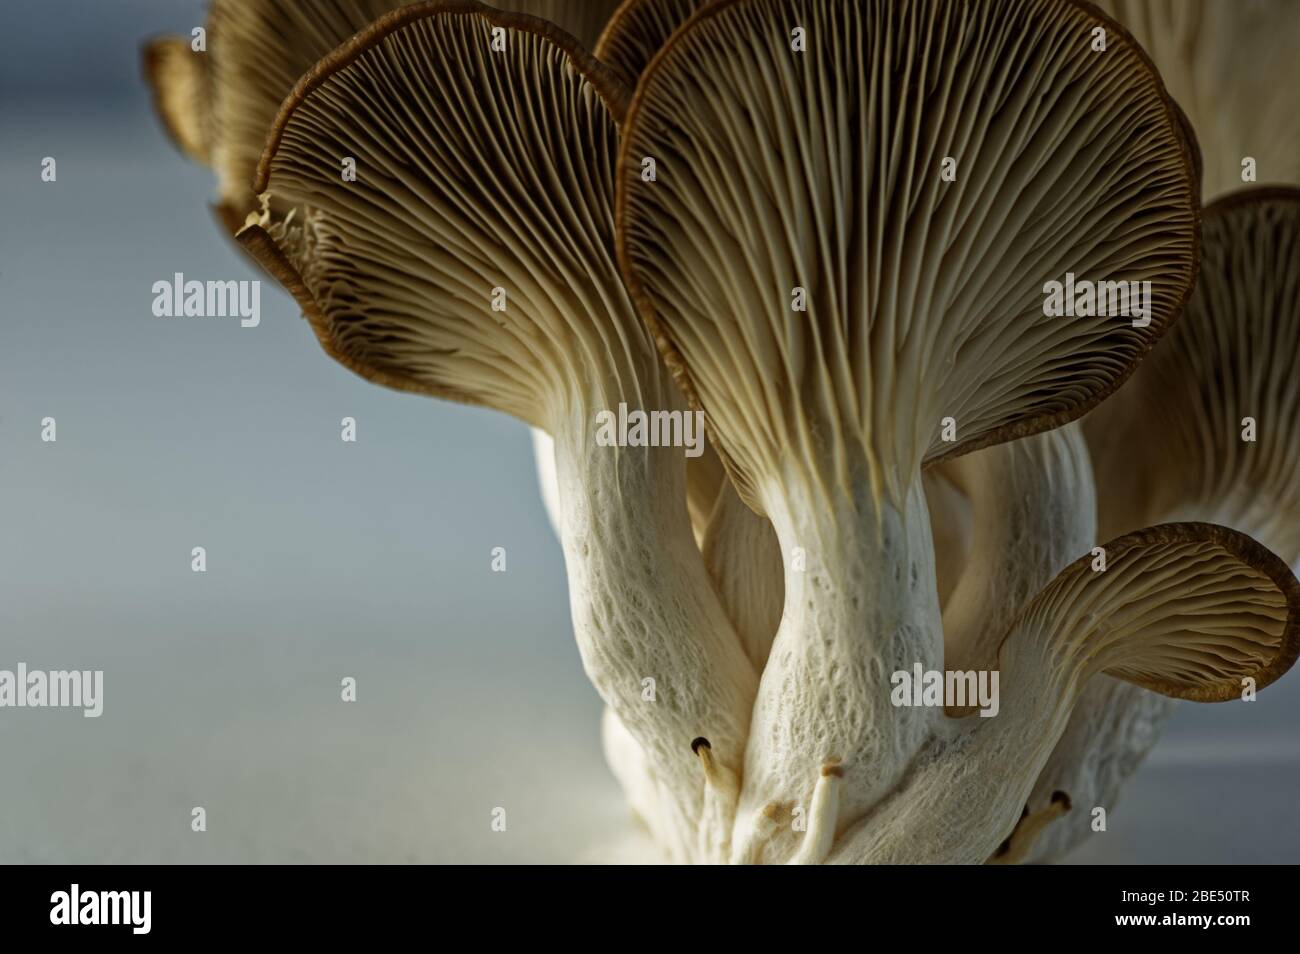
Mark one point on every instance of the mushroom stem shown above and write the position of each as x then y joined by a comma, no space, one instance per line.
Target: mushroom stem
823,817
1113,727
720,793
1035,512
744,559
861,605
644,609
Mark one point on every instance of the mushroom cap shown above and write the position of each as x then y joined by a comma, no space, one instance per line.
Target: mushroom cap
585,19
638,30
1233,67
1169,444
779,170
258,50
181,87
1188,610
495,174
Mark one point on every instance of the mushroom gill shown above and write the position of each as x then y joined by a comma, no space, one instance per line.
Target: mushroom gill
1210,426
1232,66
258,50
638,30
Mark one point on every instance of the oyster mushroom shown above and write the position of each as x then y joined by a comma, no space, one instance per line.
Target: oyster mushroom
179,83
782,170
468,187
226,99
1168,446
387,271
1231,66
740,547
742,551
1188,610
260,49
218,107
637,31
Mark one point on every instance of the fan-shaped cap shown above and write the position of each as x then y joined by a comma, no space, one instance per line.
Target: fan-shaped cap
1233,67
178,79
258,50
1171,444
822,172
472,256
638,30
1188,610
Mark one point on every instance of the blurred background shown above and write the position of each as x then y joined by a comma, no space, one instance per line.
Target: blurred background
325,559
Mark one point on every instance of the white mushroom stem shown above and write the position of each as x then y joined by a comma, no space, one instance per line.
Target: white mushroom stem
823,817
860,605
1113,727
951,520
967,788
721,789
744,559
1034,504
644,609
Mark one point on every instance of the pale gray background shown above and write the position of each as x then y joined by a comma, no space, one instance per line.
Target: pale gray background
325,559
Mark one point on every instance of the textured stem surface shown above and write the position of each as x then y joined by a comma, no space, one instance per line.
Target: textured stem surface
644,609
860,605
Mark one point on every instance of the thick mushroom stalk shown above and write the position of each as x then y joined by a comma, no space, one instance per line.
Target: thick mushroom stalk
467,194
845,312
1113,727
1033,502
1191,611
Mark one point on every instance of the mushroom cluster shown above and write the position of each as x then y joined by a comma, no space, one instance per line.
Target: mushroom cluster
832,230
